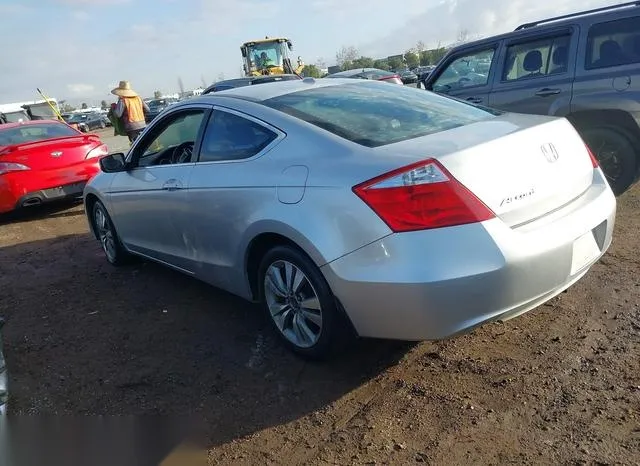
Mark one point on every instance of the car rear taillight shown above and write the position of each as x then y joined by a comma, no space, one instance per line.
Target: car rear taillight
394,79
594,161
7,167
422,196
99,151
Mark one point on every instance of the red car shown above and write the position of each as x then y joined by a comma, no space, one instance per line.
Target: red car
45,160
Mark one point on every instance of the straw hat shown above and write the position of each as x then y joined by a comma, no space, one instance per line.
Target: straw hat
124,90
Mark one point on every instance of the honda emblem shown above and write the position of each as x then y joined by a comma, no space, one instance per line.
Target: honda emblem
56,154
550,152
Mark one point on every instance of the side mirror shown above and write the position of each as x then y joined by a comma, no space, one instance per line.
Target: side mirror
113,163
290,45
244,52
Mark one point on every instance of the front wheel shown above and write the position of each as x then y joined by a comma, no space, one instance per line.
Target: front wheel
300,304
113,249
615,153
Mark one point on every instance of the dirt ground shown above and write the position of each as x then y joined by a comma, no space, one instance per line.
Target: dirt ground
559,385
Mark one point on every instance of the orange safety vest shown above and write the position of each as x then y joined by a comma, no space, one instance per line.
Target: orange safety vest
135,111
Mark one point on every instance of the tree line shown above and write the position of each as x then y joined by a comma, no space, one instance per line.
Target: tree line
349,57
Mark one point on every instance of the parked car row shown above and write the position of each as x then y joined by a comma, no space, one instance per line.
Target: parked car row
156,106
87,121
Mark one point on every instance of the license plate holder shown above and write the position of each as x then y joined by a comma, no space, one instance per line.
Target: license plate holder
585,250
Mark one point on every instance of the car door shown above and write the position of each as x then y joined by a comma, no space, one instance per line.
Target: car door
148,201
608,73
94,121
536,74
466,74
227,186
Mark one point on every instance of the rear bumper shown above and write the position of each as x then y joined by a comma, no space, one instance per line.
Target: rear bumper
43,196
435,284
22,189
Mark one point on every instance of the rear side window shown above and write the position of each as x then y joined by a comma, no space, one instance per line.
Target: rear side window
375,114
537,58
232,137
613,43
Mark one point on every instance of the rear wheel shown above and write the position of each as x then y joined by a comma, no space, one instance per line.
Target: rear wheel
300,305
615,153
113,250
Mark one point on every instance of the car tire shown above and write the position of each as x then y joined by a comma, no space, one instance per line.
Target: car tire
614,150
112,247
316,331
103,125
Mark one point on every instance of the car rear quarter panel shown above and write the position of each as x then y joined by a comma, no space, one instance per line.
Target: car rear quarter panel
238,202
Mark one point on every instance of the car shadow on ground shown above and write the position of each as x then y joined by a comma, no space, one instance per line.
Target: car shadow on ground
83,337
51,210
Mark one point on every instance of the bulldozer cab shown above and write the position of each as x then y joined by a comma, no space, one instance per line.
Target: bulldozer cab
268,56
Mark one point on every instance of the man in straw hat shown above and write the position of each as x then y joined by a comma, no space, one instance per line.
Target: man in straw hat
131,108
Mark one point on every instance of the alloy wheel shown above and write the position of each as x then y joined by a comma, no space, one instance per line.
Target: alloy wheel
293,303
105,234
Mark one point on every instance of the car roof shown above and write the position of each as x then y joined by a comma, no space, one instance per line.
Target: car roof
275,89
355,71
614,12
28,123
247,80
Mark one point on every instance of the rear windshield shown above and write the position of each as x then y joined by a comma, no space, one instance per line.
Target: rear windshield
32,133
376,114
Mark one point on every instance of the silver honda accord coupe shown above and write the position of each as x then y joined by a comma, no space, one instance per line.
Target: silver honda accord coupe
357,208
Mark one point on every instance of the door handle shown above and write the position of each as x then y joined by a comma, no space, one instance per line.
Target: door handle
172,185
474,100
546,92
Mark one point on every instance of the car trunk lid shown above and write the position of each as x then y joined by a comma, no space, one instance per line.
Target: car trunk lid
50,153
521,167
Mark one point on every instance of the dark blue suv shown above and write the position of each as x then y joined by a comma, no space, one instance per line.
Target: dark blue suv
583,66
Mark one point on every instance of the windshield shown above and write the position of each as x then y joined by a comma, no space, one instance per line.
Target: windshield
265,55
42,111
375,114
32,133
16,117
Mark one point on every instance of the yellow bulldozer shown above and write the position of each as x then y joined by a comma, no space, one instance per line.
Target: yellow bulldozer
269,56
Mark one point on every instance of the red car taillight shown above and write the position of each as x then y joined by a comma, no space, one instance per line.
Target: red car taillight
7,167
594,161
395,79
422,196
99,151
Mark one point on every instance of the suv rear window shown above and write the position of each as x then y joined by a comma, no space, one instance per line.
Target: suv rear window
375,114
613,43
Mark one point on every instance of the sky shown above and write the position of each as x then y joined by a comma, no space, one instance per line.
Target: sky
79,49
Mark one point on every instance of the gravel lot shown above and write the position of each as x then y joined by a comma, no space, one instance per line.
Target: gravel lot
559,385
115,143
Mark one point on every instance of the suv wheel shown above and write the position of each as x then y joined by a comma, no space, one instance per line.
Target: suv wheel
615,152
300,305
